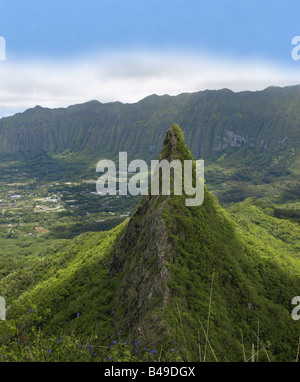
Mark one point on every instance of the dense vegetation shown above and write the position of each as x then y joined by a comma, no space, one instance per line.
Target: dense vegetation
171,282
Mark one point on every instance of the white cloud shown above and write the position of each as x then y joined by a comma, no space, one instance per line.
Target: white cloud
128,77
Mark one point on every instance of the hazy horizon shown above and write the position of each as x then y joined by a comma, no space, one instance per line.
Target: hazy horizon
63,53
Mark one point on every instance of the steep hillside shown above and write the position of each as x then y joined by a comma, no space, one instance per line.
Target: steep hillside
172,276
247,138
167,260
211,120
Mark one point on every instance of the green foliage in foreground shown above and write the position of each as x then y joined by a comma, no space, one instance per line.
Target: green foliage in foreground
65,315
35,346
245,275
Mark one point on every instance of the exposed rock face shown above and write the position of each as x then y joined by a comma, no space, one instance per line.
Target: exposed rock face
141,258
231,139
234,140
145,251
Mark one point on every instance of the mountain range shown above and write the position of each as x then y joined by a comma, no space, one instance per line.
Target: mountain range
212,122
246,138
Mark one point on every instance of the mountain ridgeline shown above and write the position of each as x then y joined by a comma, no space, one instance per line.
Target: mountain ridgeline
249,140
212,122
171,276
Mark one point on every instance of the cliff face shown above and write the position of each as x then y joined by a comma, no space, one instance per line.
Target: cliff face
212,121
140,262
143,256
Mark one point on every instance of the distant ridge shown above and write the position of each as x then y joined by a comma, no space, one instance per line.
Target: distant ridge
212,120
246,139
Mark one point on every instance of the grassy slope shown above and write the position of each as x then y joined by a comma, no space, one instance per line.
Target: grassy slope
250,266
72,279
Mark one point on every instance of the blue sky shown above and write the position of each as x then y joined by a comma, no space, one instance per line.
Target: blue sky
66,28
242,44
